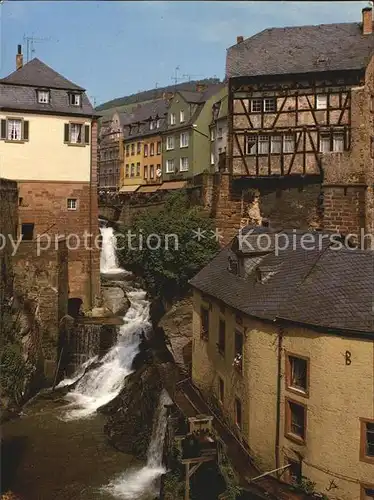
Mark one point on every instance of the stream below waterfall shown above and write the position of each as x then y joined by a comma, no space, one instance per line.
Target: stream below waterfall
57,448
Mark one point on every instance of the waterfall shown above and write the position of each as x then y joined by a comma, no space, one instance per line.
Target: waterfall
136,484
77,374
108,257
100,385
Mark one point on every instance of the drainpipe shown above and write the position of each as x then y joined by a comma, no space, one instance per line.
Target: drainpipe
279,379
90,219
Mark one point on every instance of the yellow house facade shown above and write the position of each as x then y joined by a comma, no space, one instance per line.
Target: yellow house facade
298,395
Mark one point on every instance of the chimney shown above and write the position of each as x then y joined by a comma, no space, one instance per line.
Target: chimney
19,57
367,21
200,87
239,39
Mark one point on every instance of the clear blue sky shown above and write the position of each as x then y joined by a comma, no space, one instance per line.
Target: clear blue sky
118,48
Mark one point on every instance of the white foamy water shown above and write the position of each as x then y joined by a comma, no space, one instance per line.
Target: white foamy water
78,373
137,484
108,256
100,385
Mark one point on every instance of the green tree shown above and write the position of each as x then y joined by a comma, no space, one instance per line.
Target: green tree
174,254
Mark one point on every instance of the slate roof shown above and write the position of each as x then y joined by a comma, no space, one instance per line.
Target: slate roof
37,74
301,49
322,287
18,91
143,115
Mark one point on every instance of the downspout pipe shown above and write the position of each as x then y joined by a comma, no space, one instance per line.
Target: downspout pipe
90,217
278,412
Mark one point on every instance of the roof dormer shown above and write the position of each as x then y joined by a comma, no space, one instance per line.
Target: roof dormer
75,99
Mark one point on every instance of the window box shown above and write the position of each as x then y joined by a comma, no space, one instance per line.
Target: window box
367,440
295,421
297,374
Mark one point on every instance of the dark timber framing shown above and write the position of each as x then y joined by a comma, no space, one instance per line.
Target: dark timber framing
302,90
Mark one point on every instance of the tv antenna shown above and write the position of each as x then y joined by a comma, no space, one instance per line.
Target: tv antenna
30,45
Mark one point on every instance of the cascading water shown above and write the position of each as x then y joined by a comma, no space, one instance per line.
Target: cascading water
108,257
100,385
135,485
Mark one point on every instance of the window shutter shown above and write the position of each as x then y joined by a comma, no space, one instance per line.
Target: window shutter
87,134
3,129
25,130
66,133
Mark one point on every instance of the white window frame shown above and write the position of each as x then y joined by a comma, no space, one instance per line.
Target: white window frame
276,144
75,99
338,145
181,116
212,158
184,140
14,129
151,125
76,133
321,101
170,143
72,204
270,105
288,140
263,145
256,105
323,140
158,123
168,169
172,119
182,167
43,96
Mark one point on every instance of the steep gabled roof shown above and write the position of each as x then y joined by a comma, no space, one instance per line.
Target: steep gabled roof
37,74
301,49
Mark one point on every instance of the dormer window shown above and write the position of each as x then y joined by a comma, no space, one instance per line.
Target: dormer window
43,96
75,99
152,125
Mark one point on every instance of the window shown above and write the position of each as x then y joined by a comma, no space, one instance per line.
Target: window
27,231
138,148
152,149
72,203
295,421
132,149
14,130
169,142
152,172
43,96
127,170
321,101
221,390
128,150
338,143
288,144
172,119
256,105
75,99
324,143
169,166
251,145
367,492
212,159
222,336
263,144
158,123
152,125
145,150
138,170
159,148
75,133
238,359
294,470
238,413
204,332
212,134
181,115
270,105
132,170
276,144
183,164
184,140
367,440
297,374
